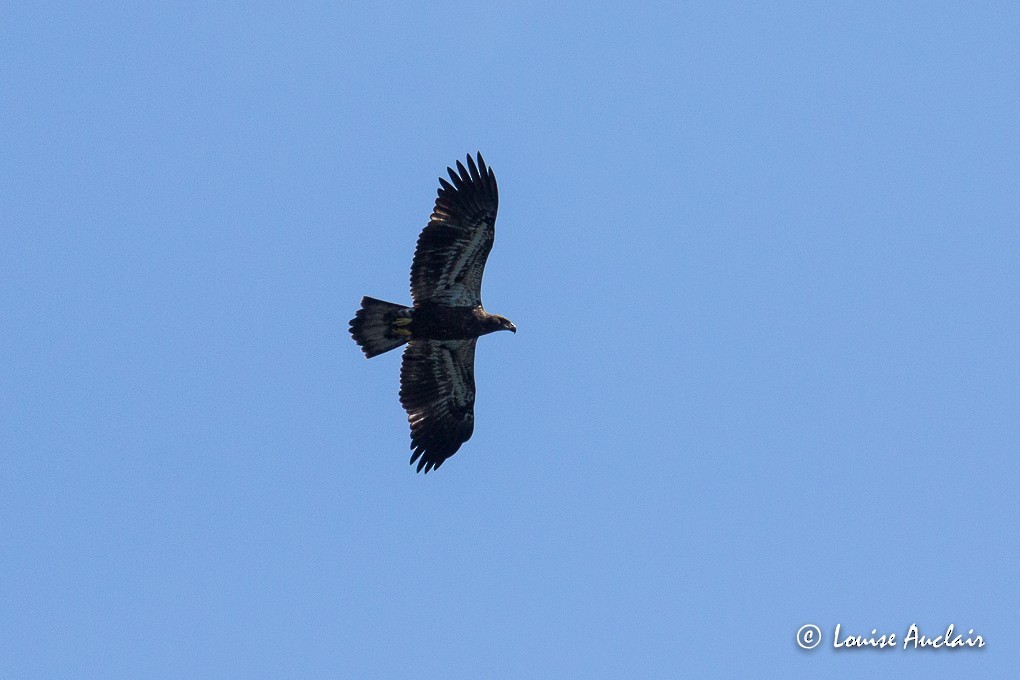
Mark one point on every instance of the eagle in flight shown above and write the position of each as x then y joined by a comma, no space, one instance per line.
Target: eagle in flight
437,375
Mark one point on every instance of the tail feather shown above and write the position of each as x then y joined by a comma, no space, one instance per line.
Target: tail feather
373,328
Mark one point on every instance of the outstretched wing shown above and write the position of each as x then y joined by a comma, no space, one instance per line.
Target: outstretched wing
451,252
437,389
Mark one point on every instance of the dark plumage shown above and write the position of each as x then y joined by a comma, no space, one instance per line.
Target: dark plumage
437,375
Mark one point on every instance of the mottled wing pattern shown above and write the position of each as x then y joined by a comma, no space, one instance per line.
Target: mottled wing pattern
451,252
437,389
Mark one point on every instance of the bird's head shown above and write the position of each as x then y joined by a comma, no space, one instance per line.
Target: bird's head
501,323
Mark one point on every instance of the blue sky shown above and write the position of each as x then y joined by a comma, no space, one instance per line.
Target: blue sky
763,262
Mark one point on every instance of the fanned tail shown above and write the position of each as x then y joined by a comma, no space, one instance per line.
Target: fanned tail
380,326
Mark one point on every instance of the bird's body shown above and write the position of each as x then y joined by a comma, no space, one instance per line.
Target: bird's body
437,372
433,321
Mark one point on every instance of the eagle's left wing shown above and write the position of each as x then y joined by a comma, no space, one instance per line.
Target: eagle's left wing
452,249
437,389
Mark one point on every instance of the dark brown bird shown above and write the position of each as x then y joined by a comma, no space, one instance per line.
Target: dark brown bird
437,375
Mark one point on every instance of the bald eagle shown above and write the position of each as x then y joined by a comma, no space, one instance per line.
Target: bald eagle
437,374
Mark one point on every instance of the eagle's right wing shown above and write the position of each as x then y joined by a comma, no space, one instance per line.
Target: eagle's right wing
437,389
452,249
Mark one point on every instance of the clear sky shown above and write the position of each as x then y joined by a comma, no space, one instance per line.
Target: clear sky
764,259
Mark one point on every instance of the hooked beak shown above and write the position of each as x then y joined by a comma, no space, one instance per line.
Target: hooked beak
513,328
